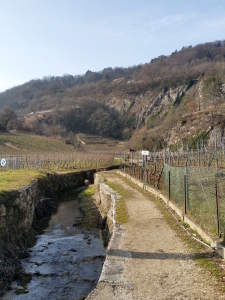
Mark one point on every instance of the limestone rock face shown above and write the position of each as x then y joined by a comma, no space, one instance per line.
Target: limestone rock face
147,103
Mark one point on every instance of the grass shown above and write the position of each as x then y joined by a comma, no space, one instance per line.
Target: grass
16,180
12,180
117,161
91,215
89,192
122,215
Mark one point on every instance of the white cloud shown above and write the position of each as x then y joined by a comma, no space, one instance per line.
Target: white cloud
124,29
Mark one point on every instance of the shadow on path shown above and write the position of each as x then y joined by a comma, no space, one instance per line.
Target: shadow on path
158,254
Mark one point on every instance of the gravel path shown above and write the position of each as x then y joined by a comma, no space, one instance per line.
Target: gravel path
150,261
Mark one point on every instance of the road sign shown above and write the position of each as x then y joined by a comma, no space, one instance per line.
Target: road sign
3,162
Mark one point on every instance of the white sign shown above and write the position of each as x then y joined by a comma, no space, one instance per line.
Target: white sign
3,162
144,152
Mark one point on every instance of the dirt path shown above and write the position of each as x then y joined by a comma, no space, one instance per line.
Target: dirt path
151,262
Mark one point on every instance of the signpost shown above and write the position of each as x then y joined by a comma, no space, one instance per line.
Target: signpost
144,153
3,162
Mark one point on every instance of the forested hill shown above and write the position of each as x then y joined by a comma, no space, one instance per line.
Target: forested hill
119,101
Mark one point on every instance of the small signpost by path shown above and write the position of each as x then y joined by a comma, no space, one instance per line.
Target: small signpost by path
144,154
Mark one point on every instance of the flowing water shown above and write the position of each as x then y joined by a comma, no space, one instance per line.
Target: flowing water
66,261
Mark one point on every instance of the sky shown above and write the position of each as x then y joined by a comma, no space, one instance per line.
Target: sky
41,38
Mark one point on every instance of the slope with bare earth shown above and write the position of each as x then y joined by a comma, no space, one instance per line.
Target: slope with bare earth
151,261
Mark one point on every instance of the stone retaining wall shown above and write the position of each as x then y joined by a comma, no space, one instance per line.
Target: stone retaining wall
106,200
19,208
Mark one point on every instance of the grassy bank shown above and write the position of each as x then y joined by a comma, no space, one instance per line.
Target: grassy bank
17,179
91,216
122,215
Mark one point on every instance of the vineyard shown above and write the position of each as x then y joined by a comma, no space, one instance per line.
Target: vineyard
194,180
58,162
20,144
33,152
95,142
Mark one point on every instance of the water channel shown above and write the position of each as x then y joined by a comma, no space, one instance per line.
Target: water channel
66,261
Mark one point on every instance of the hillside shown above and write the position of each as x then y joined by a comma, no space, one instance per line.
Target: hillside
20,143
167,101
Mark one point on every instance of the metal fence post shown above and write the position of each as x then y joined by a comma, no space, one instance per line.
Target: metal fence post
222,144
164,156
187,178
144,157
132,158
185,194
217,210
120,159
169,186
169,157
198,156
216,158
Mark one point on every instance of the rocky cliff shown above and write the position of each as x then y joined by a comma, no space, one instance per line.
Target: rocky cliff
183,114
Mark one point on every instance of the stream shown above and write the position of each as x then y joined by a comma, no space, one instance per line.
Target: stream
66,261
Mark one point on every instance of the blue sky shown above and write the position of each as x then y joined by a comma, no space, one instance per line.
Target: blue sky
52,37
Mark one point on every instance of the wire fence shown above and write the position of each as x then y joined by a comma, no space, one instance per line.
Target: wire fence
194,180
75,160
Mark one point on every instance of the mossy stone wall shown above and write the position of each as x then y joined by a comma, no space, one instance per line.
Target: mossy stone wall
19,208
